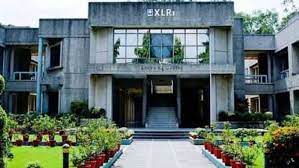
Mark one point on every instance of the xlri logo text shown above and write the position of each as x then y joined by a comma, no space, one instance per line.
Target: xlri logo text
160,12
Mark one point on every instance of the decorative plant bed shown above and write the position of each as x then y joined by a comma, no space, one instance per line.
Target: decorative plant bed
127,141
217,162
196,141
112,160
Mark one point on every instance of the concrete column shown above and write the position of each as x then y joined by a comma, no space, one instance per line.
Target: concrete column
12,58
178,99
292,102
290,58
91,91
269,64
221,95
144,101
102,94
10,103
275,110
45,101
39,77
270,103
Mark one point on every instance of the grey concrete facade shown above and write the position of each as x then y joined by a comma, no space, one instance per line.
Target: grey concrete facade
86,69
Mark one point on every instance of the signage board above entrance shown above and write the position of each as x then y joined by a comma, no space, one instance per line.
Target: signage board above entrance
168,14
160,12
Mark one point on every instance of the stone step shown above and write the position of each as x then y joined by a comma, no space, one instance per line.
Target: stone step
161,134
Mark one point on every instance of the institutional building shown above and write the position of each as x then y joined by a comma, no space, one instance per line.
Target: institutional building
171,64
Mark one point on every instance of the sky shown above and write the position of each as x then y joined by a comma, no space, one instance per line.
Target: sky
28,12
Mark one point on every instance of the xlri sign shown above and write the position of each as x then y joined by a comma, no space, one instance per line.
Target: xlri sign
160,12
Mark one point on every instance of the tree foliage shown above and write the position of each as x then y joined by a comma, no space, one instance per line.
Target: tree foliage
178,50
144,52
4,142
260,22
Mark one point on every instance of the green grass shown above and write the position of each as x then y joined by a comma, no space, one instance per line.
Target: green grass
260,161
47,156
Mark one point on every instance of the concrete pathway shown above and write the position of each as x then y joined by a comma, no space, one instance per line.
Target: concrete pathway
162,154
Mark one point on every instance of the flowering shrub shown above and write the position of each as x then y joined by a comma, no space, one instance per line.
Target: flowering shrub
282,147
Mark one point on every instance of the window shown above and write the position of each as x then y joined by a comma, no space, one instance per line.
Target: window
55,48
161,46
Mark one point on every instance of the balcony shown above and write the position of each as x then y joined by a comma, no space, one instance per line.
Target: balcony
284,74
24,76
256,79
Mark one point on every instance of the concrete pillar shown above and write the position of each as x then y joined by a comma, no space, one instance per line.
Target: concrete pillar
45,101
270,103
91,91
296,101
290,59
221,95
144,101
100,94
178,99
12,58
292,102
39,77
10,103
269,64
275,110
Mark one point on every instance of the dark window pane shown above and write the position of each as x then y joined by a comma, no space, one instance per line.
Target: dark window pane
55,56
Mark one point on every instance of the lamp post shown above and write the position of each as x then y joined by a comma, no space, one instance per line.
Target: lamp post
66,152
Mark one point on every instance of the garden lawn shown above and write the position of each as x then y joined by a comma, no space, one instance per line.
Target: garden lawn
49,157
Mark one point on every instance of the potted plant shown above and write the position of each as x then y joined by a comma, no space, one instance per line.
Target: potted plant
25,137
18,139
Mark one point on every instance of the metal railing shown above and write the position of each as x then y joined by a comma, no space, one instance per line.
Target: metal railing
24,76
160,61
256,79
284,74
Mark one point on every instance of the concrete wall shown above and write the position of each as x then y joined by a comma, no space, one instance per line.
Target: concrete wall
100,93
288,35
21,36
259,42
187,14
2,36
222,95
238,58
256,89
71,79
221,46
101,45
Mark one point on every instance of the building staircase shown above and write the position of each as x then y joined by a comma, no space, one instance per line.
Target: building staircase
161,123
162,118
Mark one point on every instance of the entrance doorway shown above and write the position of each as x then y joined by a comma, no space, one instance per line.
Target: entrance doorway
161,92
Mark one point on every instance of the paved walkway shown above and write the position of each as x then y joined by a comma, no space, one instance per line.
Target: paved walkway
162,154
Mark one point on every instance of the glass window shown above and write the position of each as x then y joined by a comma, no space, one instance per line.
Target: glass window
132,39
191,39
186,45
203,39
121,38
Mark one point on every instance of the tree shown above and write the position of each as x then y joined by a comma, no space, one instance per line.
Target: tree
178,49
143,53
290,10
116,50
4,142
260,22
205,56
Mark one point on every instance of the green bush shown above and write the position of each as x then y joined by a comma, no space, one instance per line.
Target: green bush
97,112
245,116
35,164
79,108
2,84
291,121
96,136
